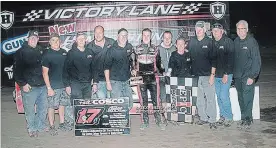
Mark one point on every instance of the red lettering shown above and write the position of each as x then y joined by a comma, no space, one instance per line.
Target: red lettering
90,114
61,30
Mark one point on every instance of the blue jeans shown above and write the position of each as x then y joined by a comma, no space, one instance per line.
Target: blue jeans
35,121
102,91
121,89
223,97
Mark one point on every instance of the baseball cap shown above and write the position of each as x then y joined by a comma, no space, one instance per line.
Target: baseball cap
54,35
217,25
32,33
200,24
122,29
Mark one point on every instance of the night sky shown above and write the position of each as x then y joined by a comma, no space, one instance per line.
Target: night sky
259,15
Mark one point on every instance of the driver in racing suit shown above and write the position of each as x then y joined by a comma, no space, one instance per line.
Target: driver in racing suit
148,61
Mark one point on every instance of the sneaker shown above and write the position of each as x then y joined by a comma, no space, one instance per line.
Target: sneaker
247,124
213,126
227,123
241,124
201,122
53,131
143,126
64,127
221,120
161,126
33,134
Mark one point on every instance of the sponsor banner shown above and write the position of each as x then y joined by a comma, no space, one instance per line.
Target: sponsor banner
6,19
126,10
98,117
11,45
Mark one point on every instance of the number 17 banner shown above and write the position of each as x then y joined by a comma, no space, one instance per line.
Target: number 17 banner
97,117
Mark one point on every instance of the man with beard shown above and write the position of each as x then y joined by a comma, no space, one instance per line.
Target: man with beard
99,46
52,66
28,75
148,65
118,66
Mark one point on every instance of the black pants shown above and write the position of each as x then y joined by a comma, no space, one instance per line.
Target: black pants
80,90
245,97
144,93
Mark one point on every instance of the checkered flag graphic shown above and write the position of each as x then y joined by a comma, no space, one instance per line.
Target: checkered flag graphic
32,16
192,8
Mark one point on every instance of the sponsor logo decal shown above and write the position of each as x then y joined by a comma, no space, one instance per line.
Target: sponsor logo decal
11,45
6,19
217,10
9,71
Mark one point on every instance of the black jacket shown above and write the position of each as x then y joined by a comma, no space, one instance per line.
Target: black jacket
247,61
78,66
27,65
119,62
100,56
180,64
225,56
203,56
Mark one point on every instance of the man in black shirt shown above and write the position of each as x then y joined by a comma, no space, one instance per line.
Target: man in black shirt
52,66
78,69
118,66
180,62
247,65
224,73
204,66
28,75
99,46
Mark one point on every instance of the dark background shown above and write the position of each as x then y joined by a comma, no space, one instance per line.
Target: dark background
259,15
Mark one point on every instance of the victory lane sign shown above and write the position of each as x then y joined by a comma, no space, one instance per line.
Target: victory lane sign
95,117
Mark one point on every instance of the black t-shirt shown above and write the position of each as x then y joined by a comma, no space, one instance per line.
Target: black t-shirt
180,64
54,60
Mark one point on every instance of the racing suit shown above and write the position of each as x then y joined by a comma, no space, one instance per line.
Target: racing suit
148,64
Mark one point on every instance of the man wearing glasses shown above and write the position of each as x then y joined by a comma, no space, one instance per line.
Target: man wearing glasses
247,65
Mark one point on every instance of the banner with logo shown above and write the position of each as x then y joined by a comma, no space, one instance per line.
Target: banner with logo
67,19
101,117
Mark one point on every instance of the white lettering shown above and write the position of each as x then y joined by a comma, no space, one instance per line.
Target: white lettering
163,11
132,11
47,16
119,11
150,11
107,13
87,14
67,16
80,10
175,8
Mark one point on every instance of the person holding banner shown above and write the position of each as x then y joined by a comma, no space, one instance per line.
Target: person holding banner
28,75
148,64
204,66
78,69
52,69
118,66
180,61
224,73
99,46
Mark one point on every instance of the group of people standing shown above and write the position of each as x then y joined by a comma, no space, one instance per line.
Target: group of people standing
103,67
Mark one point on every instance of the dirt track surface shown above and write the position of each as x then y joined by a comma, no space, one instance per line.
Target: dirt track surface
261,135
